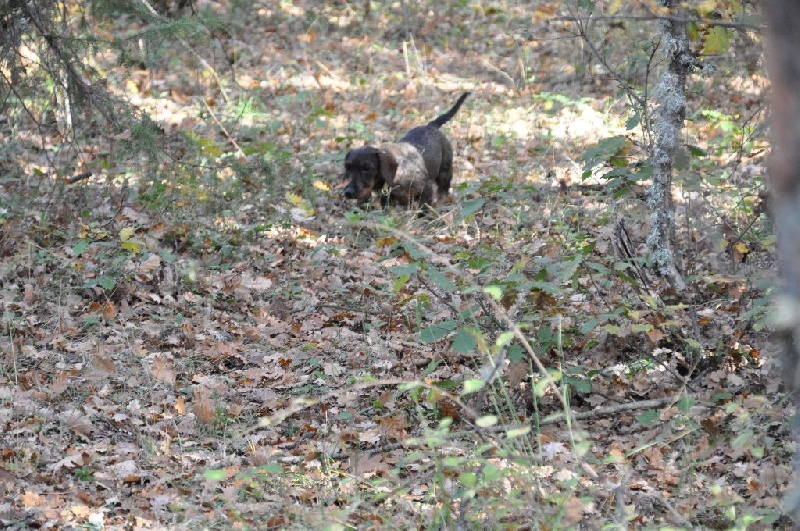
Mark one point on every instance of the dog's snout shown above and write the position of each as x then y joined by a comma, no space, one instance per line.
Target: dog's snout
350,191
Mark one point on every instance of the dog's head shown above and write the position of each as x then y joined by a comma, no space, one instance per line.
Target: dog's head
362,168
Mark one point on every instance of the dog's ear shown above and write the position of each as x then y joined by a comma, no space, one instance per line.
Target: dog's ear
388,167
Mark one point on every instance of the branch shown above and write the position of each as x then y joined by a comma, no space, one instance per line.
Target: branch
600,57
677,20
610,410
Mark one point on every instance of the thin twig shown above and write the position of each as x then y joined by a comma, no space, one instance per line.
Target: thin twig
600,57
192,51
224,131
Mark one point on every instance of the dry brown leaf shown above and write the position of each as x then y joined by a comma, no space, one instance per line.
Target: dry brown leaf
33,499
202,405
81,511
60,383
655,335
78,421
574,510
162,370
395,427
333,369
103,362
369,436
70,462
29,298
124,469
146,268
109,311
180,405
368,464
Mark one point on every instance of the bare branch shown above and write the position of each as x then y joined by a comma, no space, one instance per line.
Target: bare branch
673,19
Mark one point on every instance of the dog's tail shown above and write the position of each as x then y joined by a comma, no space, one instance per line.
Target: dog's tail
443,119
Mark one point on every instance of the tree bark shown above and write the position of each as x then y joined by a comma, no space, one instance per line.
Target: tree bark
783,62
667,125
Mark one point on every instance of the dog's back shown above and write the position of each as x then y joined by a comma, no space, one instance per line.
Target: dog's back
435,148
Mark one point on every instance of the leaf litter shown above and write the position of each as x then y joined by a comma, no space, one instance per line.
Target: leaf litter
152,380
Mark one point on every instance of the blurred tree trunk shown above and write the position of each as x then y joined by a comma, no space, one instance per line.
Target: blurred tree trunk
783,59
670,95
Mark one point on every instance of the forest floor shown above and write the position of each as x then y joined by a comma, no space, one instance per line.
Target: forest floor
222,341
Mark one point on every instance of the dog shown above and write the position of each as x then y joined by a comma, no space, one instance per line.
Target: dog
409,168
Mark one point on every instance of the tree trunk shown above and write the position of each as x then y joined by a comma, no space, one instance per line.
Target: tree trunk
667,125
783,60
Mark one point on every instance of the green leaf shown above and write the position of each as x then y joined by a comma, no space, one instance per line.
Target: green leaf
468,479
504,339
540,387
471,386
440,280
685,403
410,386
648,417
79,247
464,341
399,282
214,475
743,441
570,267
413,252
518,432
272,468
104,282
486,421
696,151
582,448
446,384
352,216
581,385
603,151
492,472
716,40
432,366
469,208
515,353
405,270
437,331
167,256
693,343
131,245
589,326
496,292
452,461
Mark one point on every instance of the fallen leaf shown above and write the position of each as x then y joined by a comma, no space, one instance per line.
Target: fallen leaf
162,370
202,405
180,405
574,510
32,499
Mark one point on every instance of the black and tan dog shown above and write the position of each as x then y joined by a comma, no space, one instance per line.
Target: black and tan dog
410,167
